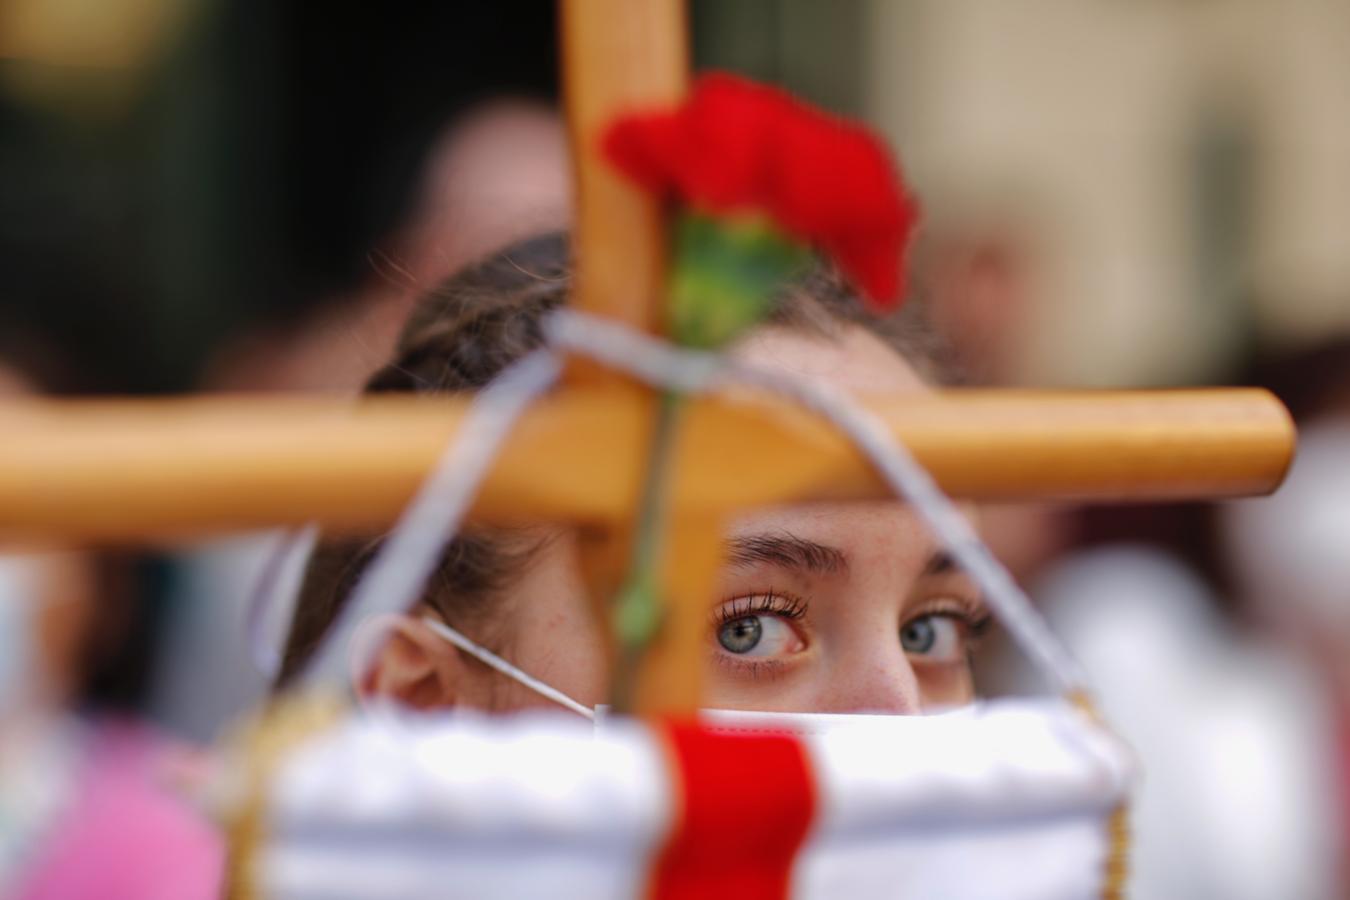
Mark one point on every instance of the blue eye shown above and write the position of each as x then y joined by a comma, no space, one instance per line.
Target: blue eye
759,635
741,635
918,636
935,638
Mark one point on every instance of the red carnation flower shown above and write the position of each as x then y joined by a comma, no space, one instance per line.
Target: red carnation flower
737,146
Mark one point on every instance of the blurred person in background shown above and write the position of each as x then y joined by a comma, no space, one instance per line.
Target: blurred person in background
1218,641
1290,553
979,268
1200,657
1238,793
89,802
497,173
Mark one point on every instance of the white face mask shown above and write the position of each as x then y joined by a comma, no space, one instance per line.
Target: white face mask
714,719
914,806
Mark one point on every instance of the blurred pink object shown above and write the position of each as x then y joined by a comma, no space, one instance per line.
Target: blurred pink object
125,834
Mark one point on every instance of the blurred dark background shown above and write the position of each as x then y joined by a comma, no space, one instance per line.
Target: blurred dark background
243,173
232,162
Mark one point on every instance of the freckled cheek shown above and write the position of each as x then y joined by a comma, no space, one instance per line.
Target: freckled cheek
592,670
862,672
563,646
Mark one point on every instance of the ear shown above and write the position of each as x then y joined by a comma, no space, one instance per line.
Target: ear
411,664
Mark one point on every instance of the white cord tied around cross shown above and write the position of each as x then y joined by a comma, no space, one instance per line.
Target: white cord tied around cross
399,573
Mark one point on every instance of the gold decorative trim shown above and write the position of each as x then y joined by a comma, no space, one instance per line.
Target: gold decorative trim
1116,872
260,747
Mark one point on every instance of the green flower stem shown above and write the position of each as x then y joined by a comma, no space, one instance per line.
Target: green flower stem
638,610
725,272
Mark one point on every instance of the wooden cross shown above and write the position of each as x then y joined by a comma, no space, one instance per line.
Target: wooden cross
160,470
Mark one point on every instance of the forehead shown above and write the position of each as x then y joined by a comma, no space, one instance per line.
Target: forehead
857,361
871,534
852,358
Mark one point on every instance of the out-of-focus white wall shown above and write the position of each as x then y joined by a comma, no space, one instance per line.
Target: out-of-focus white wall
1092,121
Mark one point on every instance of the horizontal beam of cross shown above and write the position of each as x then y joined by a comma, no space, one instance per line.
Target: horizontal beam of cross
127,471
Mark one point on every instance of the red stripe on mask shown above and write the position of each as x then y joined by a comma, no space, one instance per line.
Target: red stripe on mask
747,803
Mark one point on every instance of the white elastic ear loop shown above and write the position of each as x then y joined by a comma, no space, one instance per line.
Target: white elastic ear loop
492,660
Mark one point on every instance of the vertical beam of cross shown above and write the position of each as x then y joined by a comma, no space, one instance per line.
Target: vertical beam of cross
620,55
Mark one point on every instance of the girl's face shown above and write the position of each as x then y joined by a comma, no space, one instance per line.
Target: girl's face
830,607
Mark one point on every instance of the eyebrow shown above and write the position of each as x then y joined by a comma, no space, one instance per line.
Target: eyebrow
940,563
792,552
787,551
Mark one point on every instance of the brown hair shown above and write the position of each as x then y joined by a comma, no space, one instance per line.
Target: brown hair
474,325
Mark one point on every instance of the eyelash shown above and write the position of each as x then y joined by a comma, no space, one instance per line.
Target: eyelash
771,602
972,612
974,617
754,668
